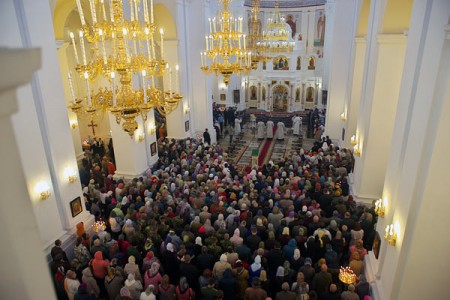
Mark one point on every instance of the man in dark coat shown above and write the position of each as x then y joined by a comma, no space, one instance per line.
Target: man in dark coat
206,137
191,272
322,280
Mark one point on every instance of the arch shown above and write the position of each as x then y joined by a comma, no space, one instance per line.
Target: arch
280,63
61,13
253,92
164,19
297,94
312,63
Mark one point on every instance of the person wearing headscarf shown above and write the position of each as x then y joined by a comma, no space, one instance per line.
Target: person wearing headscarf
153,277
134,286
241,276
170,263
90,282
71,284
148,293
81,253
83,294
124,294
297,260
148,261
132,268
183,291
113,282
236,238
220,267
290,248
255,269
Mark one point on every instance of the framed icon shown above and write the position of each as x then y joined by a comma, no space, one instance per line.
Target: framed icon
153,148
186,126
75,207
223,97
376,245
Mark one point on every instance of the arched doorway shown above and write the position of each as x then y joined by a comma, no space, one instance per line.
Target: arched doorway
280,98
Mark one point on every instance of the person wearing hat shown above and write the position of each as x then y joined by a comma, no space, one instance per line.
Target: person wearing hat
241,276
255,291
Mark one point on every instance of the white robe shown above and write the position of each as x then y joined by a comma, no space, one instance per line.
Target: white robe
280,131
296,122
269,129
261,130
237,126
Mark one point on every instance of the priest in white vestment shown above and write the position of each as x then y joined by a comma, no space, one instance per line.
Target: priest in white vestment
269,129
237,126
296,123
280,131
261,130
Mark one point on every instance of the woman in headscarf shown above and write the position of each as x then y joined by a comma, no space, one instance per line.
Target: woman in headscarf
134,286
300,287
81,253
183,291
170,263
71,284
236,238
265,283
152,277
148,293
166,290
255,269
129,230
132,268
289,274
220,224
297,261
279,279
241,276
113,283
149,259
220,267
198,246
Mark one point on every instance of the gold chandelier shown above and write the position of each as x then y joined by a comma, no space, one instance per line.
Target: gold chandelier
226,46
276,37
125,49
255,36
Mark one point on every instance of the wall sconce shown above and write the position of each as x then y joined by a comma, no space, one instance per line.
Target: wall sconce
344,116
152,128
187,110
353,141
73,123
43,190
357,150
140,136
390,235
70,174
380,207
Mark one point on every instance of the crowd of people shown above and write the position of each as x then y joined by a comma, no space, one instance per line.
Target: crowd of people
195,227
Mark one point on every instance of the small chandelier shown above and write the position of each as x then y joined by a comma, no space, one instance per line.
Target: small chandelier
125,49
276,38
226,46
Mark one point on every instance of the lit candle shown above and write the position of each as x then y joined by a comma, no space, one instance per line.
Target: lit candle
72,37
244,43
111,10
143,86
170,80
88,92
72,93
240,24
210,24
83,50
201,58
145,11
206,41
211,45
136,15
94,16
113,87
135,44
100,32
151,16
153,47
147,31
80,12
214,24
103,9
220,42
177,68
239,39
161,31
131,10
153,80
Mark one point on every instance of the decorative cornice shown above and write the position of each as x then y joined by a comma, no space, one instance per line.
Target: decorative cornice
393,38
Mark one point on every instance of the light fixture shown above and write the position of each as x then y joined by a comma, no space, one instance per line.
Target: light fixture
125,49
276,37
43,190
152,128
353,140
70,174
255,36
357,150
73,123
380,207
187,109
347,276
226,45
99,226
344,116
390,235
140,136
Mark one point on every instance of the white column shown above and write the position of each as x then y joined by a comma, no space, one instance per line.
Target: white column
23,258
413,184
340,48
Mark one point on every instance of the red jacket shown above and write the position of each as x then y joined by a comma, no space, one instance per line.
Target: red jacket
99,266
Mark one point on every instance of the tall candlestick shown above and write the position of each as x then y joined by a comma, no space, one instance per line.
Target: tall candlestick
153,47
103,9
135,44
72,37
206,41
136,15
170,80
88,92
151,15
214,24
153,81
143,85
161,31
145,3
147,31
113,87
83,50
131,11
94,15
100,32
244,42
201,58
80,12
210,24
177,88
111,10
72,93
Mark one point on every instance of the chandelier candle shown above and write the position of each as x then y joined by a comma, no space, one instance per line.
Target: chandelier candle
72,37
72,93
80,12
94,16
83,50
